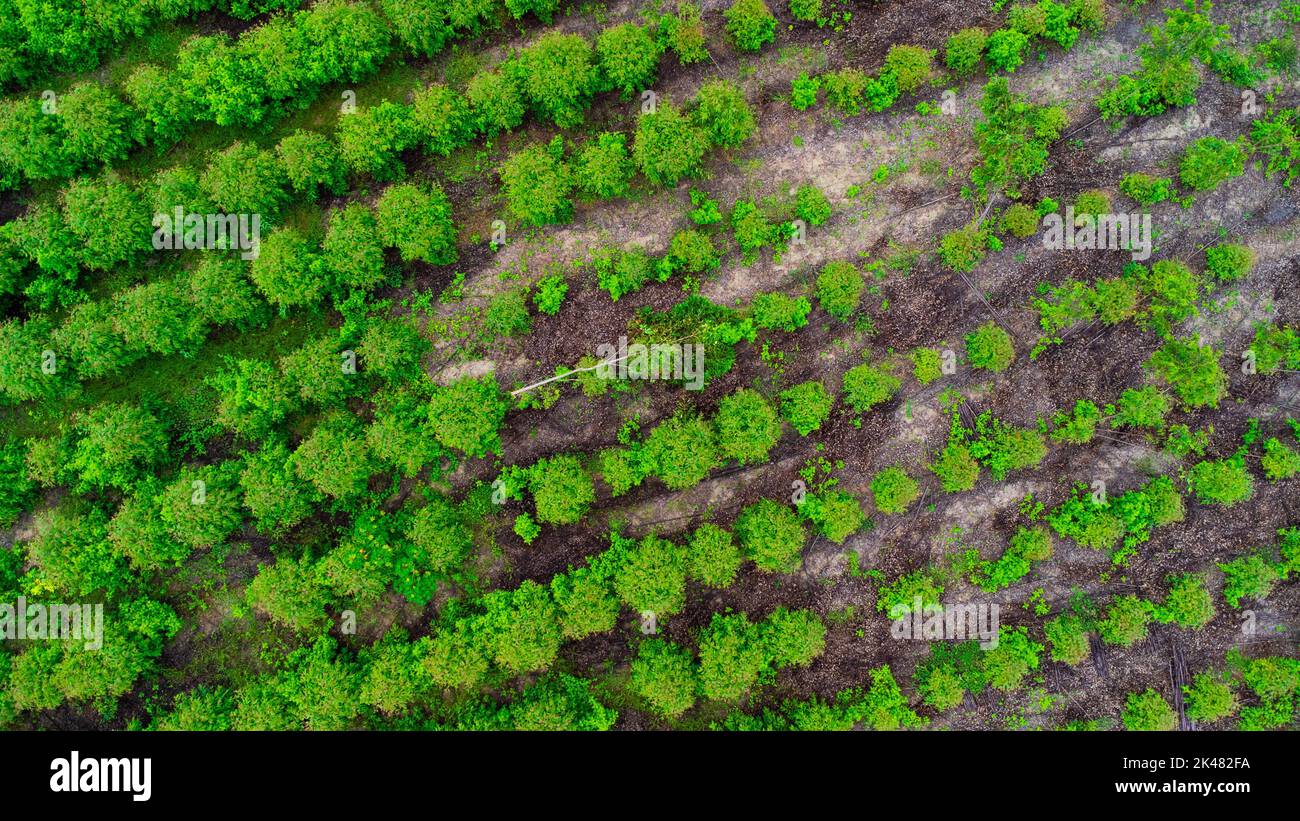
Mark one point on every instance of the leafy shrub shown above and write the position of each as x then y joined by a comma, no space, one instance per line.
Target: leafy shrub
1192,370
1148,711
692,252
806,406
1229,262
118,444
845,89
586,602
1003,448
750,24
1279,461
685,33
793,638
664,675
722,113
628,56
1248,577
714,558
1274,348
1068,637
562,489
957,469
371,140
417,221
1020,220
603,167
839,289
1210,161
866,386
811,205
990,347
772,536
526,528
911,66
652,578
495,102
893,490
537,186
731,657
522,628
1146,189
441,119
1223,482
748,428
1140,408
1187,604
558,74
964,50
1077,428
1005,50
668,146
621,272
806,10
1126,622
681,451
287,269
1209,699
467,415
353,252
803,92
836,514
927,365
964,248
1014,657
334,458
779,312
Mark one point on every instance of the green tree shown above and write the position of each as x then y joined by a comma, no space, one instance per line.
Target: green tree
664,675
748,428
772,536
371,140
731,657
495,101
290,592
201,507
714,557
334,458
723,114
652,577
289,269
538,185
558,74
312,163
244,179
750,24
990,347
562,489
109,219
1148,711
866,386
273,492
629,58
417,222
668,147
603,167
118,444
354,251
467,415
806,406
441,119
523,628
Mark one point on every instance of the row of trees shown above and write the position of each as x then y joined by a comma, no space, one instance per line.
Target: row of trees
37,39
